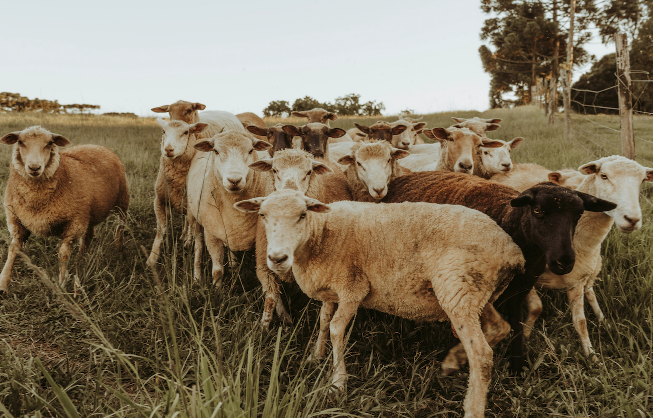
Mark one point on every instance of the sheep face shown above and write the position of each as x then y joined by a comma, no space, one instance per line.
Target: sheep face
315,137
406,139
374,163
232,153
181,110
618,180
175,136
36,151
275,135
317,115
477,125
285,216
292,169
570,179
550,219
459,147
382,131
497,160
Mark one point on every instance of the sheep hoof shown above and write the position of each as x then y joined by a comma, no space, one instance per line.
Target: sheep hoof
286,319
449,368
593,358
312,358
337,388
217,282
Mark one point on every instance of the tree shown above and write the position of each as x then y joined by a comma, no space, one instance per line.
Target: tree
277,108
600,77
308,103
348,105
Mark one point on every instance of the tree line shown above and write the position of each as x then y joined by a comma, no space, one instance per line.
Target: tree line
349,105
528,39
14,102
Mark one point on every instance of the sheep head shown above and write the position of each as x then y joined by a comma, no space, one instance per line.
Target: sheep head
292,169
36,151
315,137
181,110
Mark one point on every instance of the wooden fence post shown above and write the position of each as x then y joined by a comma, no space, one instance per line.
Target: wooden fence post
625,96
570,64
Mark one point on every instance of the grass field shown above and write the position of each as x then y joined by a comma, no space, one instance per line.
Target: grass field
134,344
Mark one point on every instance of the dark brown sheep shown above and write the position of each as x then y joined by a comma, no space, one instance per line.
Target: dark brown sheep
275,135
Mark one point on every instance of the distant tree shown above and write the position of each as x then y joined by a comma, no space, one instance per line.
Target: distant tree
349,105
622,16
600,77
308,103
372,108
277,108
14,102
407,112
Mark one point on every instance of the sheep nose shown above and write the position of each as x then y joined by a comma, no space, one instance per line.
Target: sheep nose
506,165
234,181
379,191
405,144
632,221
277,259
465,166
34,167
169,151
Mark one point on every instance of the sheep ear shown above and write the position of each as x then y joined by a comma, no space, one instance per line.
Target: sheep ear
440,134
515,142
300,114
459,120
198,106
316,206
260,145
256,130
523,199
291,130
251,205
60,140
347,160
198,127
590,168
10,139
594,204
419,126
320,168
160,109
493,121
262,165
398,154
204,146
492,143
398,129
332,116
363,128
555,177
492,127
649,174
162,123
336,133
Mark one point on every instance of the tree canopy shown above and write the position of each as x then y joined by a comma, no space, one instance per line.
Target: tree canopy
348,105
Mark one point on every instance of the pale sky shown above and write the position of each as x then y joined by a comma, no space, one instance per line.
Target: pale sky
130,56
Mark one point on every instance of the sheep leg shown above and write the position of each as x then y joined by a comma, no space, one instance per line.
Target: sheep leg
85,242
594,303
495,329
19,235
216,250
326,313
119,235
160,213
576,300
339,322
189,225
534,304
199,247
232,260
64,257
269,283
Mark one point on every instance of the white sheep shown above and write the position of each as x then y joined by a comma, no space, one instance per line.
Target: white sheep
410,136
477,125
346,253
526,175
497,160
616,179
218,177
60,193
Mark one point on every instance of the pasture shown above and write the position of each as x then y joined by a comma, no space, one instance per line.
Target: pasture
139,344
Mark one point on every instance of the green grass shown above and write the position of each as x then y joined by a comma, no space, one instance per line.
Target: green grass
135,344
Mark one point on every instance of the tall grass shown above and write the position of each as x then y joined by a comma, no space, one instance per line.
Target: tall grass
138,344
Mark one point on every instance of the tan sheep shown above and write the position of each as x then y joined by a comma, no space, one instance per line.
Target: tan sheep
478,125
526,175
60,193
410,136
251,119
347,254
177,151
182,110
319,115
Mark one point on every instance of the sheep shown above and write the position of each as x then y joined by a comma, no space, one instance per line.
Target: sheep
218,177
381,131
315,137
458,152
182,110
618,180
497,160
410,136
177,149
526,175
370,167
540,220
275,135
60,193
346,253
251,119
319,115
296,170
355,134
477,125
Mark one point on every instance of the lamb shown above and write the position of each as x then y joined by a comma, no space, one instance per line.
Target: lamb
315,137
60,193
296,170
319,115
251,119
218,177
540,220
458,152
497,160
478,125
177,149
275,135
370,167
616,179
346,253
410,136
524,176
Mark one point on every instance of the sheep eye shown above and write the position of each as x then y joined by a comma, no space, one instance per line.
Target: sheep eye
604,177
360,165
216,152
309,173
163,132
302,216
186,133
486,153
251,151
51,143
537,211
21,143
261,215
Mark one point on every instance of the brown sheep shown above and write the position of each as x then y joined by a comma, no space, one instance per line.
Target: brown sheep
315,137
275,135
60,193
182,110
322,116
380,131
251,119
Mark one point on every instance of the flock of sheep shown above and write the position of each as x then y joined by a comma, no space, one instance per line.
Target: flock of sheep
463,230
